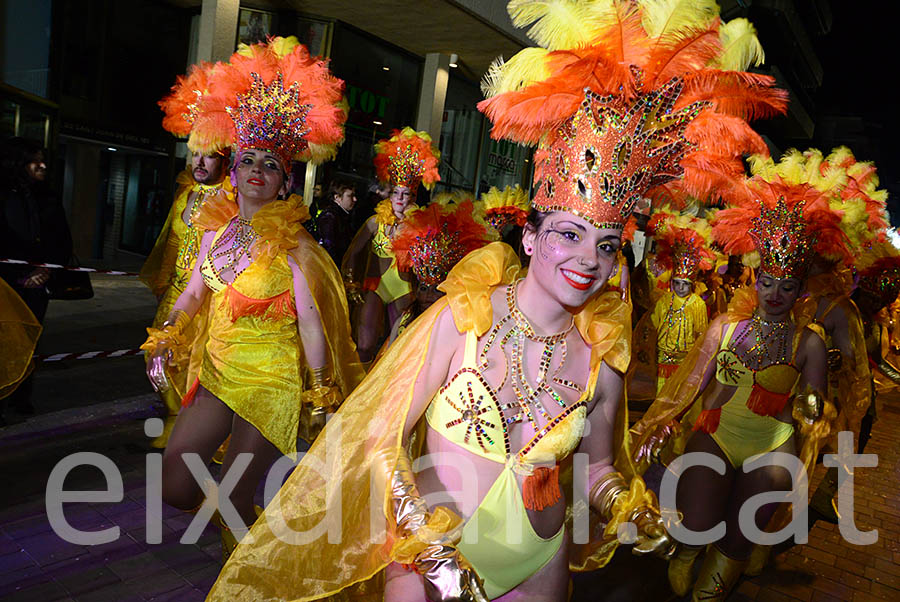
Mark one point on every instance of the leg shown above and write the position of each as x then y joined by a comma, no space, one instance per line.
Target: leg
549,584
370,319
199,429
246,438
701,499
747,485
396,309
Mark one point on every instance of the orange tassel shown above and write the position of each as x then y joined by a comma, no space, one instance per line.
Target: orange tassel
188,398
708,421
274,308
371,284
765,402
666,370
541,488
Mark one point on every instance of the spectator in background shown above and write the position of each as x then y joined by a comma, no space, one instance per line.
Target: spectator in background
33,228
334,230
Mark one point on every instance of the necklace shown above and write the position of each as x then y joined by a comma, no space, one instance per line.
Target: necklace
769,347
527,397
234,244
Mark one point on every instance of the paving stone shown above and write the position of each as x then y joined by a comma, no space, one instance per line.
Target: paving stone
86,581
137,566
182,594
44,592
48,548
157,584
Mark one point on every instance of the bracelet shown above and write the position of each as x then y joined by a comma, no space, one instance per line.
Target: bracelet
177,319
321,377
605,491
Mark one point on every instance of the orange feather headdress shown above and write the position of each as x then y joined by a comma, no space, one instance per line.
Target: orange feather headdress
508,206
879,271
779,227
682,243
433,240
272,96
406,159
624,98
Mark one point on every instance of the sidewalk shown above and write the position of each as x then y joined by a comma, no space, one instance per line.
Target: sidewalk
35,564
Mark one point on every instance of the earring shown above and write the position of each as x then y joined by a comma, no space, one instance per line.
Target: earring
529,250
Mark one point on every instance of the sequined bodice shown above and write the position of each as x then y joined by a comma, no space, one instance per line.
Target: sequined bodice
469,412
381,243
778,377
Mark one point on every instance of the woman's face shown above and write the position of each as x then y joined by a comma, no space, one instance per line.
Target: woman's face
777,295
571,258
258,175
401,197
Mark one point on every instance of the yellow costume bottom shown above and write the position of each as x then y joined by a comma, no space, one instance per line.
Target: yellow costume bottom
499,541
390,286
743,433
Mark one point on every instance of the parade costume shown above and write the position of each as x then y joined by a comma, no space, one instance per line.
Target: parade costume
504,207
406,159
779,227
682,249
276,98
392,523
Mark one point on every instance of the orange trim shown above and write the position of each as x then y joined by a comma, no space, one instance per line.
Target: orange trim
541,488
765,402
371,284
666,370
708,421
188,398
240,305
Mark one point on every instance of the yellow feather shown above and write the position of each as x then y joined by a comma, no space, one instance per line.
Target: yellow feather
791,167
284,46
814,160
762,166
740,46
669,18
839,155
558,24
523,69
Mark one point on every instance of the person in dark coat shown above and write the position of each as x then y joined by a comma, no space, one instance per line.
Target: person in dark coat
334,229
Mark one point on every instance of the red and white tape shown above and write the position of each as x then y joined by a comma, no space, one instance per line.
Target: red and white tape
89,355
56,266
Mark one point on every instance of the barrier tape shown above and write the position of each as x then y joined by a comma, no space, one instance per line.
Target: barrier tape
56,266
88,355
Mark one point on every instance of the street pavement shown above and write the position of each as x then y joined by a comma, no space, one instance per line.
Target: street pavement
101,405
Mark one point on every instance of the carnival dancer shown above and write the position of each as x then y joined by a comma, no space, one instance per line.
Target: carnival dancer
680,315
759,377
506,211
404,160
493,387
169,265
428,245
279,354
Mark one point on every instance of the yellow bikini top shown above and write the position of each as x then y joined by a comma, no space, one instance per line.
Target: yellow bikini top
730,370
466,411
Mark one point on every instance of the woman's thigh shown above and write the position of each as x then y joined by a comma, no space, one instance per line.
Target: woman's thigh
702,496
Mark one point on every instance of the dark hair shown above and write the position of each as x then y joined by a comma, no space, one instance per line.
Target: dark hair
17,153
536,218
338,187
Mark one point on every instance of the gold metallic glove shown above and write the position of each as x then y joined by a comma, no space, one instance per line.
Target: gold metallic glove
807,407
324,396
352,287
657,442
428,542
618,503
166,347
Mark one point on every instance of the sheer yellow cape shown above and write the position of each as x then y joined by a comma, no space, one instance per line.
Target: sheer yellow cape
339,481
19,331
851,386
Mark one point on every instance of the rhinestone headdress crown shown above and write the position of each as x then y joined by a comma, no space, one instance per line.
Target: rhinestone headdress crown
271,118
781,237
603,159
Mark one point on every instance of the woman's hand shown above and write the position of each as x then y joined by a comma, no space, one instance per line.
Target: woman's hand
161,357
37,279
657,442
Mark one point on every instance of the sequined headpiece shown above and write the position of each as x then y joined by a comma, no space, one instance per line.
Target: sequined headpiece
432,241
273,97
629,99
182,105
406,159
779,227
879,271
507,206
782,239
682,243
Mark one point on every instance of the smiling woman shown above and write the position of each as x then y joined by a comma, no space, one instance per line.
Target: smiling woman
277,355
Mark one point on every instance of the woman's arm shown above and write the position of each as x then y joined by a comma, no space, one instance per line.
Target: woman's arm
309,322
598,443
814,373
351,268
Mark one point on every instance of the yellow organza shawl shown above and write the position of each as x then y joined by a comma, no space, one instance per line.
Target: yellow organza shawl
19,331
339,481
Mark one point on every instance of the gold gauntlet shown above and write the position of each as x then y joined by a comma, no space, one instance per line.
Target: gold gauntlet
323,394
427,540
166,346
618,503
352,287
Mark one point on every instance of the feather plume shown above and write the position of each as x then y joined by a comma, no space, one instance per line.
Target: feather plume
740,46
523,69
667,19
557,23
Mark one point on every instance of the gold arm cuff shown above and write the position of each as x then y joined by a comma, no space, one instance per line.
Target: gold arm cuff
605,491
